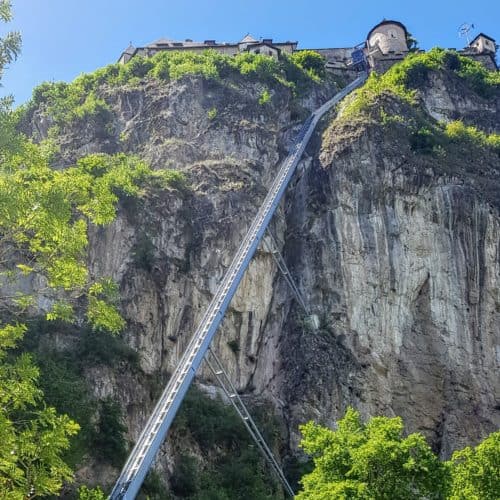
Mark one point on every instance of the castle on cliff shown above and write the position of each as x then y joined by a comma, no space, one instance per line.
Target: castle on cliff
385,44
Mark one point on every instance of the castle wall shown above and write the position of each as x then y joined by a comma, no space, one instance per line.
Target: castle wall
336,56
265,50
382,64
229,50
287,48
487,60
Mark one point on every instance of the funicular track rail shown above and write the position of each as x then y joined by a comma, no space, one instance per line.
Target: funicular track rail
155,430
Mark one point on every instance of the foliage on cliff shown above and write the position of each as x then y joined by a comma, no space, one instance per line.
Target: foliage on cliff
375,461
403,79
438,139
10,44
44,218
233,466
66,102
32,436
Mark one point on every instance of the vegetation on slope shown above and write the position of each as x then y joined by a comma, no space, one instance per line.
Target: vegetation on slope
234,468
403,79
392,100
44,218
375,461
66,102
64,386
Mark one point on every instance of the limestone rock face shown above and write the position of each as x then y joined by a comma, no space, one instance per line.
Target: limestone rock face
402,261
397,256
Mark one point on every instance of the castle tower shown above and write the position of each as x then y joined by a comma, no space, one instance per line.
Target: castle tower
483,44
387,37
484,50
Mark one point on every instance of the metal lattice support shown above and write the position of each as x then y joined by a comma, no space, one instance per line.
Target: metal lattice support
230,391
280,262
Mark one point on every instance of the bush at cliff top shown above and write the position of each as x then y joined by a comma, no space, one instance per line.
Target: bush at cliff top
404,78
310,61
68,101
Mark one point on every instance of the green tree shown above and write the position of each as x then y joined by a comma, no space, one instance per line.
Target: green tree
475,472
411,42
370,461
44,219
32,436
10,44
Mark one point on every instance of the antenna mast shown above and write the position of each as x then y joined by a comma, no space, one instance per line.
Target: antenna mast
464,30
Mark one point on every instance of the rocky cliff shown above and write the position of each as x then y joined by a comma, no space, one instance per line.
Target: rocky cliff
396,252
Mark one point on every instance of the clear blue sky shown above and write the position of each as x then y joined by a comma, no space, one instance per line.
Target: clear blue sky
63,38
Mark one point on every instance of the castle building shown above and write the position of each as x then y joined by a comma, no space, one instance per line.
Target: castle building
385,45
483,49
248,44
483,43
387,37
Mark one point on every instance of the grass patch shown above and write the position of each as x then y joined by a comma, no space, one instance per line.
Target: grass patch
212,113
457,132
264,97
